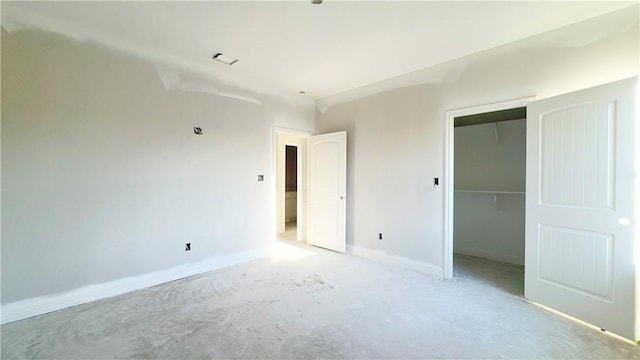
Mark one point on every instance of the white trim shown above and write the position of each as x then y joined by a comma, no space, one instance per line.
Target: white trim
274,142
299,193
27,308
447,241
385,258
292,131
637,206
510,259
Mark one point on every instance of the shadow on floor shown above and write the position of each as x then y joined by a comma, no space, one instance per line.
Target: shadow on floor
506,277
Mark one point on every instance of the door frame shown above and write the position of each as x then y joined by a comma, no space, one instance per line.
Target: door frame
447,255
302,177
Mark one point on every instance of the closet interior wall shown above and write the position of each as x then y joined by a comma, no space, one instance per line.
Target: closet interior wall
489,201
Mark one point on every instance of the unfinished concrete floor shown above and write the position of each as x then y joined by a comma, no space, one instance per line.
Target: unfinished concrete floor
311,303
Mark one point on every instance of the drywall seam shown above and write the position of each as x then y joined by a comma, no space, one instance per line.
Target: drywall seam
176,79
580,34
446,73
15,19
385,258
27,308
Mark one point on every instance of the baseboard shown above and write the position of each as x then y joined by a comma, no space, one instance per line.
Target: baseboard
510,259
27,308
385,258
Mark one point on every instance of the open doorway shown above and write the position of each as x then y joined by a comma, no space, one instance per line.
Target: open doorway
321,170
489,201
291,184
291,193
485,195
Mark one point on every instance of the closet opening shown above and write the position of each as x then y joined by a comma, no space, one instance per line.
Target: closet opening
489,162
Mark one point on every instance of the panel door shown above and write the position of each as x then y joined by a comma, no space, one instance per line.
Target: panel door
580,205
327,191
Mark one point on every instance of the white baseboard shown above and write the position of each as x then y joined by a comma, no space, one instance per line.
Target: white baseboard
27,308
385,258
510,259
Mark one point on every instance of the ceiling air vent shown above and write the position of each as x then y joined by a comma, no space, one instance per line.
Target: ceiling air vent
224,59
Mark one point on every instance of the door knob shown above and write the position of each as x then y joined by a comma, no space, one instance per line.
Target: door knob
624,221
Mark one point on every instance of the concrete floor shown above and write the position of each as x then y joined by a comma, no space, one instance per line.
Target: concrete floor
310,303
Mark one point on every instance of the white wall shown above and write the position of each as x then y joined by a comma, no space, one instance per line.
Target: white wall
481,163
490,225
396,138
103,177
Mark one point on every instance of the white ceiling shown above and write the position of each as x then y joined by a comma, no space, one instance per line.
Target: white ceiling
289,46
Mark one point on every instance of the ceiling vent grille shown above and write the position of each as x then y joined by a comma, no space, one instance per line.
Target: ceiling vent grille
224,59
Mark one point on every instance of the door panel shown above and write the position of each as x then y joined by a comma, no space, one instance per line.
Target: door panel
577,156
578,260
327,190
580,183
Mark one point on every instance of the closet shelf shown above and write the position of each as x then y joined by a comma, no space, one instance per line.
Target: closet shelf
491,192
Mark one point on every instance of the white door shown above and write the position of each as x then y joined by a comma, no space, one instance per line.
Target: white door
327,191
579,207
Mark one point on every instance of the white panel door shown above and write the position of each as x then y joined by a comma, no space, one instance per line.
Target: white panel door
580,205
327,191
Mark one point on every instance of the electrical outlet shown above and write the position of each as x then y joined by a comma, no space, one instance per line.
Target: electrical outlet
379,236
187,247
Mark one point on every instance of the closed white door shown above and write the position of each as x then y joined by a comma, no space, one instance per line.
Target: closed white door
580,205
327,190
